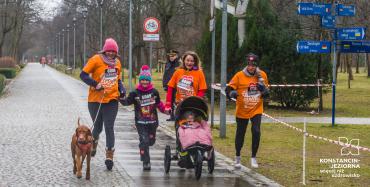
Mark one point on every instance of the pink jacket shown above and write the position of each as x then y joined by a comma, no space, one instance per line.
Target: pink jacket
195,132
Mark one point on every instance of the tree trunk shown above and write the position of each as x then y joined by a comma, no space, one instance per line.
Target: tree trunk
368,65
357,63
349,68
319,78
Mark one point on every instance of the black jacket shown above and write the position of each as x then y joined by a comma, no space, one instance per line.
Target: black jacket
169,70
146,103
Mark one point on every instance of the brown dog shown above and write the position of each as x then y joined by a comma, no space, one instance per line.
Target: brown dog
81,148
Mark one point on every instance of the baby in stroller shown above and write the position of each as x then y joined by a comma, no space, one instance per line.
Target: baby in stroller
193,130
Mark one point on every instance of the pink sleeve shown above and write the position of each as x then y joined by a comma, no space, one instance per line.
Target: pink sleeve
161,107
169,96
201,93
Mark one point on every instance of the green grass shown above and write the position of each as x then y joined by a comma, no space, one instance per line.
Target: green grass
280,153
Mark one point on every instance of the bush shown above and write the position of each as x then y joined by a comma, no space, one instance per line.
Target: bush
2,83
7,62
8,72
22,65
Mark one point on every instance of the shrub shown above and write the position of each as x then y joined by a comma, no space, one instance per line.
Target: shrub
8,72
2,83
7,62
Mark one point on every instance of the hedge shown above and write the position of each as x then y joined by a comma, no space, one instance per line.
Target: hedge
8,72
2,83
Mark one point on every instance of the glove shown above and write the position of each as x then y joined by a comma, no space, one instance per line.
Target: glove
261,87
233,94
123,93
99,87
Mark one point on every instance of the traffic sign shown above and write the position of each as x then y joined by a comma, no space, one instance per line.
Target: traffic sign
328,22
151,37
313,47
352,33
314,9
345,10
151,25
354,47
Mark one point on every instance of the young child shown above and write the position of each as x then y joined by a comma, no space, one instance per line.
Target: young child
146,100
194,129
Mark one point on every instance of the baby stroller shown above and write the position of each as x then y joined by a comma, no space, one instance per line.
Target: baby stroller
194,155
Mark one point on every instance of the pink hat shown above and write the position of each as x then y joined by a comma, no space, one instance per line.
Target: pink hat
110,45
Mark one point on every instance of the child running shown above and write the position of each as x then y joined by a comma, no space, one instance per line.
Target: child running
145,99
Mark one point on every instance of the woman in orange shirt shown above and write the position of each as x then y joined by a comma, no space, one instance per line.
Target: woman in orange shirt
248,87
188,80
102,73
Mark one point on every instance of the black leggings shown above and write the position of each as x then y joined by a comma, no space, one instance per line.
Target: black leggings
240,133
107,115
147,134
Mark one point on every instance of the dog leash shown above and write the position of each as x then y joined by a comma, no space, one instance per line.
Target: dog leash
97,113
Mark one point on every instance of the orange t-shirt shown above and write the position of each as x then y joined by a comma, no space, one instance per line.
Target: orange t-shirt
249,101
107,76
187,83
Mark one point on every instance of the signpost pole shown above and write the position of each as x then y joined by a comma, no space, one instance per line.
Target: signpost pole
150,55
334,81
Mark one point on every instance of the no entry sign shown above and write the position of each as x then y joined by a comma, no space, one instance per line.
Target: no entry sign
151,25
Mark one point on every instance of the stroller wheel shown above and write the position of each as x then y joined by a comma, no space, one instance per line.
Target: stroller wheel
211,162
167,158
198,164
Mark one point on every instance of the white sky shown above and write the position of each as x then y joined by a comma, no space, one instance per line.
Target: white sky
49,7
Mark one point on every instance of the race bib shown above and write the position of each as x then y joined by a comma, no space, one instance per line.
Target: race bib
185,86
251,96
109,78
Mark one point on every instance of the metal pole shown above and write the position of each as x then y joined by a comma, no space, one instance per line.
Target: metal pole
223,71
334,82
74,45
130,47
304,152
64,62
58,48
84,57
68,46
150,55
213,62
101,24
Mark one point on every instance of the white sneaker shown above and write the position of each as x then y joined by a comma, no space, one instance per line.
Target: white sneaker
254,163
237,162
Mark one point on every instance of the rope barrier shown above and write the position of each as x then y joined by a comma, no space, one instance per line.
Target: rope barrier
307,134
218,85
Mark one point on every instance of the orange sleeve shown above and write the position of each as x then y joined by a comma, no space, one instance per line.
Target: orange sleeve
202,81
234,82
90,66
173,82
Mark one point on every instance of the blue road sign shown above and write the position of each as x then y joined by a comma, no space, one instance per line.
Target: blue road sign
314,9
313,47
354,47
328,22
346,10
352,33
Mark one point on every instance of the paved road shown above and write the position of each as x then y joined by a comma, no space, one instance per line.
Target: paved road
38,115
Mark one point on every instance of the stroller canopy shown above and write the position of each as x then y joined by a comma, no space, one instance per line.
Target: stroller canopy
194,104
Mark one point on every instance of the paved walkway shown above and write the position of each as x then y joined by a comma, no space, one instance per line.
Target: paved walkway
38,115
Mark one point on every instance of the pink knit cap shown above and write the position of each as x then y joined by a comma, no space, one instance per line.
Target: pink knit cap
110,45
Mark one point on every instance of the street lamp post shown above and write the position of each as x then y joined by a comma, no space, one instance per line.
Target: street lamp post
64,62
130,47
59,47
223,71
68,26
84,14
101,3
74,42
